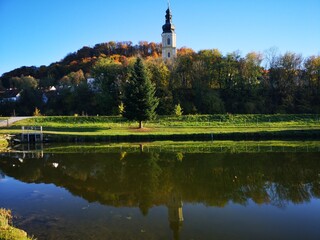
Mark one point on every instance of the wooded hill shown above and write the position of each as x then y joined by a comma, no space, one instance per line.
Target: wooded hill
83,59
204,82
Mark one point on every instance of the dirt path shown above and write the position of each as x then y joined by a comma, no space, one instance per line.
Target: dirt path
12,120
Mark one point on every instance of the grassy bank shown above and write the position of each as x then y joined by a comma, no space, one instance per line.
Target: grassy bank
191,127
3,142
8,232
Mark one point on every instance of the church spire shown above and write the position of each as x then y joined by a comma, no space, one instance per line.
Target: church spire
168,37
168,27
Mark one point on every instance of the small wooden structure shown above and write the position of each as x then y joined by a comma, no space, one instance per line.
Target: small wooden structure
32,134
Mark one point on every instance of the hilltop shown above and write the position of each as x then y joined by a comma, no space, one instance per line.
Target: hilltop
92,80
83,60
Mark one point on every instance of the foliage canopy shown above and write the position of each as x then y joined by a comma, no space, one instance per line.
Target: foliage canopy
204,82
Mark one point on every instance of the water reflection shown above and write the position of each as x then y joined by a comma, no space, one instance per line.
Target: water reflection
175,214
145,180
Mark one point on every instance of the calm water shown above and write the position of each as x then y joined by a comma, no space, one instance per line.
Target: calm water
146,194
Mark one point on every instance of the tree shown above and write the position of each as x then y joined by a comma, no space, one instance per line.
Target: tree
25,82
29,100
73,78
36,112
286,74
110,76
178,110
140,101
311,84
83,100
160,74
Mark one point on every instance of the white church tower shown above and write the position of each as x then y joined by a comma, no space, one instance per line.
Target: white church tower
169,47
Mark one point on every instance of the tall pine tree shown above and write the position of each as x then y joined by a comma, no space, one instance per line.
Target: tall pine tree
140,101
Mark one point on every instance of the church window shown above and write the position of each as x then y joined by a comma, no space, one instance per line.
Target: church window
168,41
168,55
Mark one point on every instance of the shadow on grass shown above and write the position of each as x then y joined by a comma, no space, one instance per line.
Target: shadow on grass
235,136
68,129
76,129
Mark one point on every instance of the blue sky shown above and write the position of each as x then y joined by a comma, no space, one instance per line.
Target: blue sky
39,32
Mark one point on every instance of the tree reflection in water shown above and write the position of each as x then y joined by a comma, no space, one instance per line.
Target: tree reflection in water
146,180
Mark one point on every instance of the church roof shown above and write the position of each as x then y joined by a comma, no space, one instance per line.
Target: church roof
168,27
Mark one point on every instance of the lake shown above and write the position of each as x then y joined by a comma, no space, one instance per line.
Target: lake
171,191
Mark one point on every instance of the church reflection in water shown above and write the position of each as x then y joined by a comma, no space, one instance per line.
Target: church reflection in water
146,180
175,214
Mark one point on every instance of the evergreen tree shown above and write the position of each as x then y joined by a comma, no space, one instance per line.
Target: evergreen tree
178,110
140,101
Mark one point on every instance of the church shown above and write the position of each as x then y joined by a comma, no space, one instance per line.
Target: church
169,47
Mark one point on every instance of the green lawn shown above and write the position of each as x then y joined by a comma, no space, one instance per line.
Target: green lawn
168,125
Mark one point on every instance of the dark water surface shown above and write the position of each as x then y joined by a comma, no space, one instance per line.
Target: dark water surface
163,194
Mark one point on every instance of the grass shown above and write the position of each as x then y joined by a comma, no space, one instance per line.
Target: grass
224,125
8,232
3,142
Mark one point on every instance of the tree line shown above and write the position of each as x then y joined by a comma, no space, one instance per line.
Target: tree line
204,82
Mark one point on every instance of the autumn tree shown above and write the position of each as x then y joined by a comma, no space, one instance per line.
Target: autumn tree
248,84
160,75
308,97
24,82
110,75
73,78
205,83
140,101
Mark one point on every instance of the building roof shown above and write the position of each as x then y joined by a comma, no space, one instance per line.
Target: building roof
10,93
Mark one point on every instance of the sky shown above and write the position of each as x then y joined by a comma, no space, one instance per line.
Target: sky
40,32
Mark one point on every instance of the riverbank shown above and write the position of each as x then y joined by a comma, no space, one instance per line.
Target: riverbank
187,147
209,136
3,142
8,232
184,128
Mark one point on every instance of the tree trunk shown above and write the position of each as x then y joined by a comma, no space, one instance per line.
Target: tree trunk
140,125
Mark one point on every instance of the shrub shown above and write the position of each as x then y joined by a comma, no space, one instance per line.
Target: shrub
178,110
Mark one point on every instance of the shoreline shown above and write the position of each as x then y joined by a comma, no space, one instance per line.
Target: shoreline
7,231
288,135
284,135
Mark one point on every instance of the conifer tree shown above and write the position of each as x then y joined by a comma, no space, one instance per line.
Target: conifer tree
178,110
140,101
